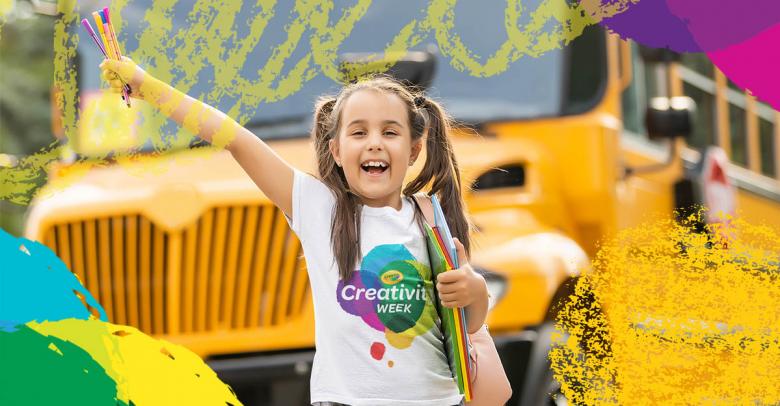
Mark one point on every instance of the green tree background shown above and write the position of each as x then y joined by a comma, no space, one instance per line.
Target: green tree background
26,75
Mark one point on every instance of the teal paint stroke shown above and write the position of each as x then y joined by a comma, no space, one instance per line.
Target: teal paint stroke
35,285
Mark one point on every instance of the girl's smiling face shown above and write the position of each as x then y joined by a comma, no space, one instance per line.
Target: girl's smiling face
374,146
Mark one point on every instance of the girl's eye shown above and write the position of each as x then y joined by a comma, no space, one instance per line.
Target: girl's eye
358,133
391,133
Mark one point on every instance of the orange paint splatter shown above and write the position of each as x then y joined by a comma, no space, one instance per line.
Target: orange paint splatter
390,364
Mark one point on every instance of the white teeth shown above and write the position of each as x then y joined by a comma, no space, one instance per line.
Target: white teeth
375,163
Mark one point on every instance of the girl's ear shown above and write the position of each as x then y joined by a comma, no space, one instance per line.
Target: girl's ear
416,148
333,146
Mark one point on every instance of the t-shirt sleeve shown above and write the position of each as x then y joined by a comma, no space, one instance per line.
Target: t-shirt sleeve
312,206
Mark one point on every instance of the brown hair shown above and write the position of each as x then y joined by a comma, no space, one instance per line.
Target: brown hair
440,170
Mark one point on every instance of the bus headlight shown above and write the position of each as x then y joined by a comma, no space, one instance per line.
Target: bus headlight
496,285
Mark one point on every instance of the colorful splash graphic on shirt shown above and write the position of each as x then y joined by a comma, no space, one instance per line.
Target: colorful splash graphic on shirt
57,346
392,294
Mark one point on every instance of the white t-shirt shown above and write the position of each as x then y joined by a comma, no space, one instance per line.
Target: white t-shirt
378,335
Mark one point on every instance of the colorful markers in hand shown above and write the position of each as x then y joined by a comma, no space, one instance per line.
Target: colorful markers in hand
110,45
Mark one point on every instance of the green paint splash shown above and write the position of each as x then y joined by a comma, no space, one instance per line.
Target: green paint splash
43,370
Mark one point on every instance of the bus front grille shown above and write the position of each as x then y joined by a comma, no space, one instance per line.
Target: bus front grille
237,267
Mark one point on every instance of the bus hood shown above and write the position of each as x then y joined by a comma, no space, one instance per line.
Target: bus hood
172,190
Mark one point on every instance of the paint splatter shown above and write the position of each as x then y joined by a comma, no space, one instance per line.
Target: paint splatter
745,52
146,370
693,25
753,65
49,339
40,370
169,38
35,285
390,363
377,351
671,316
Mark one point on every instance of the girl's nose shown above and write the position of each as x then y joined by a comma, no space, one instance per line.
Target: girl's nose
375,143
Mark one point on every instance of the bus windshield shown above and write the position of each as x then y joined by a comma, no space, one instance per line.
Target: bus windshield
565,80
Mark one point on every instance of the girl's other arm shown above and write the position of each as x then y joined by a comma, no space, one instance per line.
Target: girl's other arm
269,171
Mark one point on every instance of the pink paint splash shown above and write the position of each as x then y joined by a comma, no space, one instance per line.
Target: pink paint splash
377,351
754,65
740,38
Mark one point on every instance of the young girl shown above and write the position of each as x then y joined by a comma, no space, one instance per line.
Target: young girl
377,334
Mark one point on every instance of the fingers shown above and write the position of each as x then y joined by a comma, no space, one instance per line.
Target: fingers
457,287
451,276
455,298
109,64
119,74
452,287
110,75
451,305
461,252
109,71
450,297
121,69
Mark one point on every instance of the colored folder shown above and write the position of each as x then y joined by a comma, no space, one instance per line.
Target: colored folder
443,257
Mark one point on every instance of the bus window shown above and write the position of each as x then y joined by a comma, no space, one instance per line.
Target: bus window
766,134
704,120
737,129
696,72
729,117
587,72
644,86
634,96
699,63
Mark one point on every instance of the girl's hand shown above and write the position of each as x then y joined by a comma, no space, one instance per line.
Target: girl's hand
463,286
117,73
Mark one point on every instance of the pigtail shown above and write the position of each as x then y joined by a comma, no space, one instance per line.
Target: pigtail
441,169
345,229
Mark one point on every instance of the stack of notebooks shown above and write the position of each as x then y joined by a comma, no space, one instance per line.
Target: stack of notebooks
443,256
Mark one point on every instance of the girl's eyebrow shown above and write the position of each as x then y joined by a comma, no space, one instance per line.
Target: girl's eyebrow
361,121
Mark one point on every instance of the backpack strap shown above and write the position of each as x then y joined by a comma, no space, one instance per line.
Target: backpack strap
423,203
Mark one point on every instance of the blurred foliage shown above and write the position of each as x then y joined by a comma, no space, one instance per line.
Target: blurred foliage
26,72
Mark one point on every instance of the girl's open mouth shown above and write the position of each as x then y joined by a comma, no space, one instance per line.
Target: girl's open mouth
374,167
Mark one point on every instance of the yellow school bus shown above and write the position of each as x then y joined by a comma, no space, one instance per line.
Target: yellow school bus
182,245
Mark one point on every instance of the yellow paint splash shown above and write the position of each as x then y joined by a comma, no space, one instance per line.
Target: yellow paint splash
147,371
671,316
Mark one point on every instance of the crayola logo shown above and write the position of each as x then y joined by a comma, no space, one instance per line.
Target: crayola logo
392,277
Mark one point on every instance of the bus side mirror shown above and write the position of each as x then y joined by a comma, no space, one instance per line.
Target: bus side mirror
415,68
669,117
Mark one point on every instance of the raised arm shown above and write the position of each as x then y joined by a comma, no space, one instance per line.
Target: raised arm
269,171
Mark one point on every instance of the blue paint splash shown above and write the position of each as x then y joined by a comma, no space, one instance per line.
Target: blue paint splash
35,285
